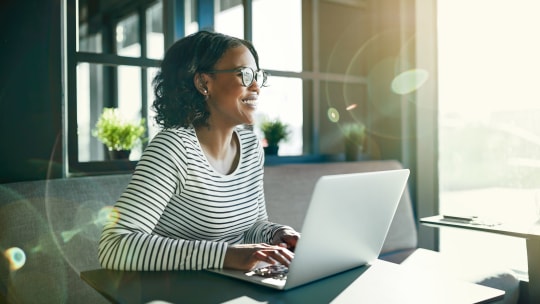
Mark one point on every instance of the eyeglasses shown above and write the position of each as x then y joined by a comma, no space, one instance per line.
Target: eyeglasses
248,75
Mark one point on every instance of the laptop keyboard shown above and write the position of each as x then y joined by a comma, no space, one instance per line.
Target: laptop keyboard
278,272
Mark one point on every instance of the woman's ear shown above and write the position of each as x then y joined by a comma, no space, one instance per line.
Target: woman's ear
200,83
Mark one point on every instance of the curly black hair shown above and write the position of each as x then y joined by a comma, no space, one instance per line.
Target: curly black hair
177,102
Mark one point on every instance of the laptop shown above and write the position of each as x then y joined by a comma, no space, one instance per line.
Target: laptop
345,226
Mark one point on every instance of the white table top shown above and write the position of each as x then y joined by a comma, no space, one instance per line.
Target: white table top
381,282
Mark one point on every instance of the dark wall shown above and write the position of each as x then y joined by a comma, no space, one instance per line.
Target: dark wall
30,90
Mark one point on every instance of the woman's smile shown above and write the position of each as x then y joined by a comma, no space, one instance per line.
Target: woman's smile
251,100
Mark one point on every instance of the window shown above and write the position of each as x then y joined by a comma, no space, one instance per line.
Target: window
489,133
283,98
279,45
114,49
118,47
229,18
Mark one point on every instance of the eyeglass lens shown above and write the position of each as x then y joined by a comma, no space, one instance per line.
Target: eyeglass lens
248,75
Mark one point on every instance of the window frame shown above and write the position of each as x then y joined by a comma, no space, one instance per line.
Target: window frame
174,28
110,60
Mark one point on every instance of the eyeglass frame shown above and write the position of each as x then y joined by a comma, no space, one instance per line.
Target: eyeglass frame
240,69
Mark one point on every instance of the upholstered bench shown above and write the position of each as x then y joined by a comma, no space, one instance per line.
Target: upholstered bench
54,225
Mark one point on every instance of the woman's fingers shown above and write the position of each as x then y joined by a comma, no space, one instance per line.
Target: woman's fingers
263,257
287,236
275,255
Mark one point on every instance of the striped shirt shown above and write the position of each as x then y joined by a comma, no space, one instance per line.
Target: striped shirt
178,213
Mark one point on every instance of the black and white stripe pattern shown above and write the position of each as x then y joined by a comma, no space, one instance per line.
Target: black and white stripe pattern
179,213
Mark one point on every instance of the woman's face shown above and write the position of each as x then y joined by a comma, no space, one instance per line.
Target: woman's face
230,103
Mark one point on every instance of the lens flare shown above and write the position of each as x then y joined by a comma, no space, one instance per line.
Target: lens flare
68,235
88,223
16,258
409,81
352,107
105,215
333,114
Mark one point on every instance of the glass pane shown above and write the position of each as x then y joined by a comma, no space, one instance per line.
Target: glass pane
89,42
90,39
127,37
342,106
154,31
192,23
129,99
286,33
489,143
346,34
230,18
91,99
89,105
283,100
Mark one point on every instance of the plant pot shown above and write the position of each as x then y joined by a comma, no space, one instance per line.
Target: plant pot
271,150
119,155
351,151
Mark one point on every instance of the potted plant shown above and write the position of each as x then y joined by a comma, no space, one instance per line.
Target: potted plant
274,132
354,137
118,135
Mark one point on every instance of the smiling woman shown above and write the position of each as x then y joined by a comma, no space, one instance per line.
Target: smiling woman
197,192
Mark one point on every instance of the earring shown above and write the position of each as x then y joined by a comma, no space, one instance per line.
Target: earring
205,94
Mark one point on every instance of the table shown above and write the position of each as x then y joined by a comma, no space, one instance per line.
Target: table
529,231
380,282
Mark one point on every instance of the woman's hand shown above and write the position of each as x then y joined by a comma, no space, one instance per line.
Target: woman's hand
286,237
246,256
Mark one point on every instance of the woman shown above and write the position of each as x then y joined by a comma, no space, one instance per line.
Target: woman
196,198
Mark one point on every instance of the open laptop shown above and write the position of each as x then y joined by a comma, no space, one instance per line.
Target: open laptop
345,227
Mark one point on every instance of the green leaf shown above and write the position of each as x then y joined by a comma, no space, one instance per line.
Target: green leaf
275,131
116,133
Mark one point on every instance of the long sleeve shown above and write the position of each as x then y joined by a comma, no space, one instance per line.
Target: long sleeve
179,213
128,240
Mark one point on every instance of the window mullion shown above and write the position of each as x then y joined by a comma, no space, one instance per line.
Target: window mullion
144,73
248,19
71,50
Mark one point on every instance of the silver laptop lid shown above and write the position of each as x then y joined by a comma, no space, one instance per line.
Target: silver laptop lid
346,223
